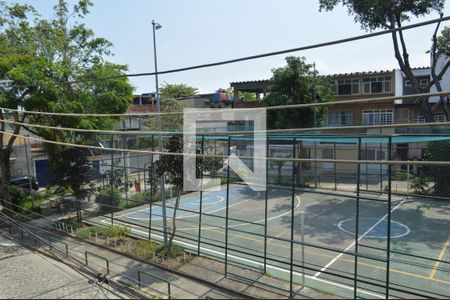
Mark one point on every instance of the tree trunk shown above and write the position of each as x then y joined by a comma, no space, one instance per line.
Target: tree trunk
5,179
174,225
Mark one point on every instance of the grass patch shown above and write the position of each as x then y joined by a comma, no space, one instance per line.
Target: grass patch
144,249
175,250
109,231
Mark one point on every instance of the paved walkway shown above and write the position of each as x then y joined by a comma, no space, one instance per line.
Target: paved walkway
29,275
124,269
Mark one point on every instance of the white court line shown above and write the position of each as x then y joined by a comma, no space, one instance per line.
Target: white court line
208,203
259,264
354,243
192,215
259,221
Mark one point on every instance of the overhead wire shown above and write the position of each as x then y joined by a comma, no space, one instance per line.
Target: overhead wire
257,56
194,155
194,111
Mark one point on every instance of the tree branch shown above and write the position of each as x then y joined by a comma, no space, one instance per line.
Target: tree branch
402,40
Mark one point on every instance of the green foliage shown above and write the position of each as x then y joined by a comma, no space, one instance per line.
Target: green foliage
175,91
379,14
71,170
439,151
108,231
402,176
169,93
144,249
137,200
296,83
171,250
443,42
171,122
39,56
419,184
390,14
116,178
147,142
23,200
108,199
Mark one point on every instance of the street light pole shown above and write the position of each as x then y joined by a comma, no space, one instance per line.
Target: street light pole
156,26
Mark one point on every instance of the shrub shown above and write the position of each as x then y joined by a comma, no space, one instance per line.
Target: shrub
175,250
419,184
144,249
109,231
136,200
108,200
439,151
402,176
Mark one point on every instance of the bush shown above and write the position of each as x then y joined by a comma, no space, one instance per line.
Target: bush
144,249
402,176
136,200
439,151
419,184
108,200
109,231
175,250
22,200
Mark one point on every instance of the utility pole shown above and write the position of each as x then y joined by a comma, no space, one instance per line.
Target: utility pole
156,26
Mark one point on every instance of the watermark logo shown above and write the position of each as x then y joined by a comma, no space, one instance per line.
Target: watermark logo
248,161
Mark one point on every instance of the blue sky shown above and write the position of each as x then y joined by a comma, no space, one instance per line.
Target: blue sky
203,31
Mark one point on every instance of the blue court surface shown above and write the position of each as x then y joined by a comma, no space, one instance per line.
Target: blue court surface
212,202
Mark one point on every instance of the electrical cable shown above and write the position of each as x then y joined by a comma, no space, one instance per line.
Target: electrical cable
257,56
194,111
194,155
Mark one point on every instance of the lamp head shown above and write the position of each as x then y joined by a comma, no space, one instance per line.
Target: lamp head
156,25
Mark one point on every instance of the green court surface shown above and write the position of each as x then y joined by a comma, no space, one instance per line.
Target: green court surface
323,251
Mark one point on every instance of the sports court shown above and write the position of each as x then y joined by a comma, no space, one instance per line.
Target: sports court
324,248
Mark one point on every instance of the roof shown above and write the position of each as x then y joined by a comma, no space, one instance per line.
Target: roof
353,74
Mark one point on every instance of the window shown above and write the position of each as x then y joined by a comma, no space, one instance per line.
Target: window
376,85
339,118
373,154
345,86
437,118
423,83
376,117
408,83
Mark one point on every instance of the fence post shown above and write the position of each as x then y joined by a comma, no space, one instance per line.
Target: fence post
199,235
227,206
291,264
358,181
388,246
266,205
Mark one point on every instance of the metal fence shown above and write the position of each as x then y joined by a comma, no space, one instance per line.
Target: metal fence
337,215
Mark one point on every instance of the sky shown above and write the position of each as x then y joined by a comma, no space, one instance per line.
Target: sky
203,31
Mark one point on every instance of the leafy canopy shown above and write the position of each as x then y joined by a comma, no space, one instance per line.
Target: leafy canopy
380,13
38,59
296,83
175,91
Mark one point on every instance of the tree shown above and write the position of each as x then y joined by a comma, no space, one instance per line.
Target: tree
390,14
39,57
438,151
171,166
175,91
296,83
18,69
169,96
440,50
